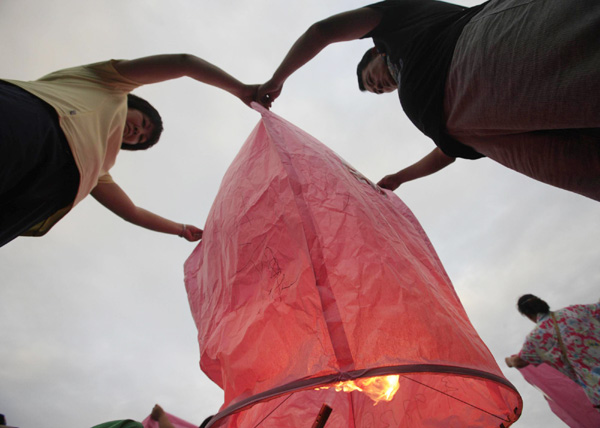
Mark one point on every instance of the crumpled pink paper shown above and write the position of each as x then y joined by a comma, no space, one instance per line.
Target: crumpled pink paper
309,274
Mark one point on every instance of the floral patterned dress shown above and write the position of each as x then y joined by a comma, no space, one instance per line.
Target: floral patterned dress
579,327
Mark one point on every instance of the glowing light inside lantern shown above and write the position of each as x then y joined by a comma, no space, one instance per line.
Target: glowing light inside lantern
378,388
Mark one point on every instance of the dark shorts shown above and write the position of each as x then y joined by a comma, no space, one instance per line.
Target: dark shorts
38,175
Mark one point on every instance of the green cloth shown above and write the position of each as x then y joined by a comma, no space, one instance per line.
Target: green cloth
127,423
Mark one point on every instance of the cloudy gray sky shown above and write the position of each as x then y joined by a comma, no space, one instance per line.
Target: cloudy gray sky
94,319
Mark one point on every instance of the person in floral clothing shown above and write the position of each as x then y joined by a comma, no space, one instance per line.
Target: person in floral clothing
578,356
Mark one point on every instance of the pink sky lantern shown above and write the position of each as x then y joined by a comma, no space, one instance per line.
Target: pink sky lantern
313,289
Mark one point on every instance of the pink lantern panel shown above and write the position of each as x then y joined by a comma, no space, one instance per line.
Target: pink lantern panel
309,275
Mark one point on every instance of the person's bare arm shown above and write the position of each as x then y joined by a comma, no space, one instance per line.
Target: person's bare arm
158,68
116,200
433,162
159,415
516,362
342,27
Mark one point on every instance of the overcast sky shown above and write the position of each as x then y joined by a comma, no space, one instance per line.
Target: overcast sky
94,318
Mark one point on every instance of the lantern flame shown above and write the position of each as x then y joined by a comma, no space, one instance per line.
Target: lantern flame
377,388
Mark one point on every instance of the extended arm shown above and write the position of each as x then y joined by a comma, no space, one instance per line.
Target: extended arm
158,68
516,362
594,310
342,27
159,415
115,199
431,163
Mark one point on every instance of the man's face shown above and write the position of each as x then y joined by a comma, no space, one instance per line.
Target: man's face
138,127
377,78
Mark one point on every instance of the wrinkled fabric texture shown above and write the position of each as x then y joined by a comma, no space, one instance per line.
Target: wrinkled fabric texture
177,422
309,274
566,399
523,90
579,327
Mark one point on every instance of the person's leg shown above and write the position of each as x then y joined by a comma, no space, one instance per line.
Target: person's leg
523,90
22,131
568,159
38,175
526,65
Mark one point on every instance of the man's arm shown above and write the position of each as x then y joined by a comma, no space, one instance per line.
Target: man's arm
115,199
158,68
433,162
342,27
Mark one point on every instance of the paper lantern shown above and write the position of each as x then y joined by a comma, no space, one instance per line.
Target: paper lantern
309,275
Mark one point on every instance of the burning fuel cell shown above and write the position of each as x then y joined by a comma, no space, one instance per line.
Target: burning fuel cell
313,287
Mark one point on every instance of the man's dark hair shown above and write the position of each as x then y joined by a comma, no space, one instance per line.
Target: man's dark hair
530,305
366,59
135,102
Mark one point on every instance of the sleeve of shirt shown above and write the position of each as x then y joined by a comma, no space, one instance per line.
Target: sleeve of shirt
109,76
394,15
594,310
105,179
529,352
389,10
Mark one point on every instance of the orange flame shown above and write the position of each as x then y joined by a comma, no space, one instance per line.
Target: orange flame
378,388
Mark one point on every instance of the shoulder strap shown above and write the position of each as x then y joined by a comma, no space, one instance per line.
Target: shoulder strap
563,349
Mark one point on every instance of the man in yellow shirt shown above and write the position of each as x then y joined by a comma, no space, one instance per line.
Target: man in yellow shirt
60,135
